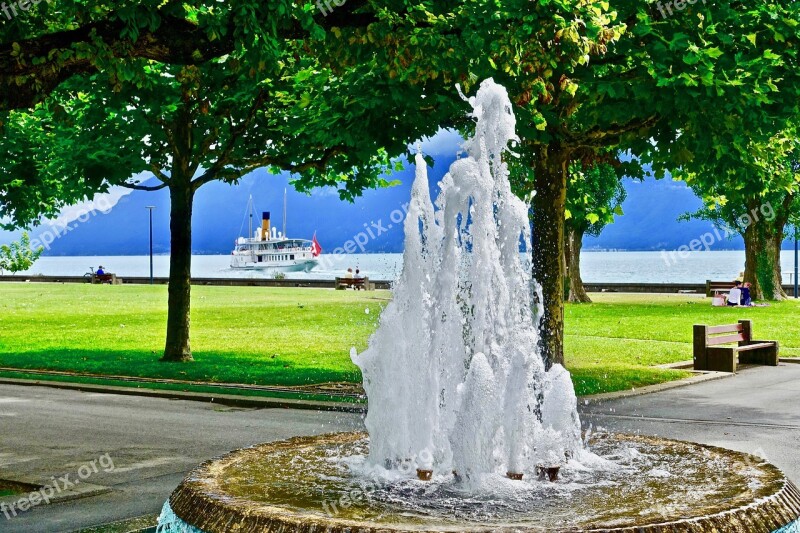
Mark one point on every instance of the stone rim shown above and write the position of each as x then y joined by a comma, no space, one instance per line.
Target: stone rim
197,501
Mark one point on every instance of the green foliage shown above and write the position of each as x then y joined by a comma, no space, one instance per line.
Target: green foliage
594,197
52,42
768,175
264,105
18,256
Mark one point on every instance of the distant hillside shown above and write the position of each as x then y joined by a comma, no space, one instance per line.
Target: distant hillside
219,217
649,223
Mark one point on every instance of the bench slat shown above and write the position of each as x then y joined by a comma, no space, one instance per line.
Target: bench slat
725,339
755,346
728,328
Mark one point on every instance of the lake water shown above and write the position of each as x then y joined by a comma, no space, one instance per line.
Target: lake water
596,267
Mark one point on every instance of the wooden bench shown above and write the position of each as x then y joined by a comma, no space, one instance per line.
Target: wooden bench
710,354
354,283
111,279
713,287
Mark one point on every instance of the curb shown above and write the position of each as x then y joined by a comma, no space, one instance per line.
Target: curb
231,400
139,524
342,407
82,490
701,377
145,382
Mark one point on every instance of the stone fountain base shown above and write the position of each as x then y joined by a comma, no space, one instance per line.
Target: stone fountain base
634,483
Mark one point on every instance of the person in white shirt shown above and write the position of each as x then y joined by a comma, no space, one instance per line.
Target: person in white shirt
735,296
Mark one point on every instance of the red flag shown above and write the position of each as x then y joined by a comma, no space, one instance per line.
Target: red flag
316,249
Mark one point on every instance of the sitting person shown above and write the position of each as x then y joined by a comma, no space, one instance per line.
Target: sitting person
747,300
100,271
359,280
348,274
735,296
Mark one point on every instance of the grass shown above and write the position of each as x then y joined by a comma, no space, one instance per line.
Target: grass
12,488
290,337
240,335
204,389
613,343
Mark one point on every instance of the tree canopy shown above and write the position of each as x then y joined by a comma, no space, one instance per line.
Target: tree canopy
268,104
19,255
757,200
690,91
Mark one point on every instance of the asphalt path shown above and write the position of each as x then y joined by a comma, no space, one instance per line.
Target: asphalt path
153,443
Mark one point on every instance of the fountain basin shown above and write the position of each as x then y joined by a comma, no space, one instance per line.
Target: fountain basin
636,483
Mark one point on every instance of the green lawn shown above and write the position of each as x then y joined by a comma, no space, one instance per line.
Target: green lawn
239,334
613,342
300,336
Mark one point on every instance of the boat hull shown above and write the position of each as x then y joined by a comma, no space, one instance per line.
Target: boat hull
297,266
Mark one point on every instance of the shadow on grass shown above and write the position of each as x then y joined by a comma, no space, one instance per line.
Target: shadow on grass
284,370
212,367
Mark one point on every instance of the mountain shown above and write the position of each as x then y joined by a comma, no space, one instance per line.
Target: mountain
650,221
219,217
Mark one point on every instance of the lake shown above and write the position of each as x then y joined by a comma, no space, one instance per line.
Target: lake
596,267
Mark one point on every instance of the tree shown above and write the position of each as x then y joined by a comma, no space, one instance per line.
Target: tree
679,91
266,105
19,256
535,50
594,197
676,92
757,201
47,45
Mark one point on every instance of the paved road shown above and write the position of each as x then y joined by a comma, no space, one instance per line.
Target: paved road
757,411
154,443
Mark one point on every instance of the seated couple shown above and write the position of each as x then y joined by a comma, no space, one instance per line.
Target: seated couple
740,294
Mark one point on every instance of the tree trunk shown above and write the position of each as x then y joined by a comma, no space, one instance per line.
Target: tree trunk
772,256
577,292
549,203
177,347
777,244
751,261
761,253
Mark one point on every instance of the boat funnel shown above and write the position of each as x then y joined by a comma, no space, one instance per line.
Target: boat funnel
265,226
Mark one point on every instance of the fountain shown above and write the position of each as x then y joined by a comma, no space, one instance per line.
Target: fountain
467,429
